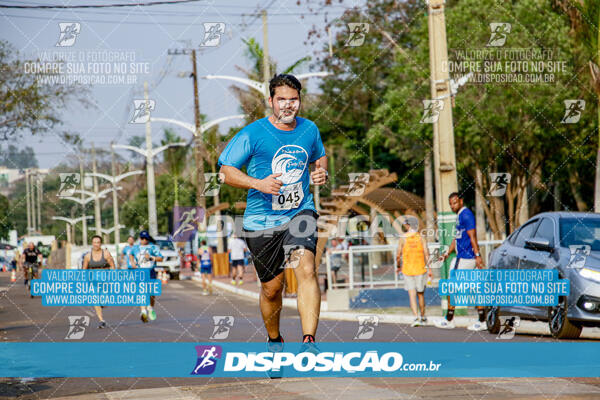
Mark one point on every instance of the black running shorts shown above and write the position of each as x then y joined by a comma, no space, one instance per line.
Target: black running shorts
271,248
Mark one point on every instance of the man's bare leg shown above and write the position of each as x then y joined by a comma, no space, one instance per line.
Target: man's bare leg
412,296
270,304
421,297
309,294
99,312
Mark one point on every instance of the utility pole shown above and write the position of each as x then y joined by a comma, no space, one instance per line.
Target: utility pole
28,200
113,165
198,133
40,191
445,162
84,220
97,214
266,65
33,202
198,139
152,219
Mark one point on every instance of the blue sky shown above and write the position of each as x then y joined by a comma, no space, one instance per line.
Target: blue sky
147,33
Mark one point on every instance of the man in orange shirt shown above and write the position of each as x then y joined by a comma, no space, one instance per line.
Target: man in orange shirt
411,259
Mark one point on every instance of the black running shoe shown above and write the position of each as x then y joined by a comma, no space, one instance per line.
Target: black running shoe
102,325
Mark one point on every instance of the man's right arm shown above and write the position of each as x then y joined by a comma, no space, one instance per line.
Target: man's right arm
236,178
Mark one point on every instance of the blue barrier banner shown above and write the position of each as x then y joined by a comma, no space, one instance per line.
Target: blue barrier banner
107,287
350,359
504,287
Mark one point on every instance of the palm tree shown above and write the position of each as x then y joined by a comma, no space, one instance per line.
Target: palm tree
251,100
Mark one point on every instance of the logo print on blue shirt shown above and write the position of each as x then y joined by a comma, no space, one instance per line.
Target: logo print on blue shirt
289,161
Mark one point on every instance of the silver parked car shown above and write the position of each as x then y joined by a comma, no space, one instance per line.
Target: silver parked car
568,242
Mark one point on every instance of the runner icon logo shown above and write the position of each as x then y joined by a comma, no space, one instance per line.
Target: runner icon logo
508,327
212,34
573,109
223,324
357,32
68,183
207,359
357,183
141,112
500,31
68,33
579,253
498,183
366,326
77,325
293,254
431,111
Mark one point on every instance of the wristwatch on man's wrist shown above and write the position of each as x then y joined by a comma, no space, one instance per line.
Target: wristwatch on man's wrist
477,255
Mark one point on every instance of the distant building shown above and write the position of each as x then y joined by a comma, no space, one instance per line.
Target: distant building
10,176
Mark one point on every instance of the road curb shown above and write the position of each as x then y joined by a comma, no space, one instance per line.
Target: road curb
529,327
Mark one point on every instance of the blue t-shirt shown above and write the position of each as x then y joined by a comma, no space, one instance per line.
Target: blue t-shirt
465,221
126,251
266,150
139,251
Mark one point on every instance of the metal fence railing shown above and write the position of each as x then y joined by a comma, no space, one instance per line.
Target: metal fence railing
375,265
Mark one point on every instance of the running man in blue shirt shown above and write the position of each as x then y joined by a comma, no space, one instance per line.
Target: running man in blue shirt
467,256
145,255
280,221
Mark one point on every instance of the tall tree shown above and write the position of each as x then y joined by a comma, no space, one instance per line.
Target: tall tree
30,101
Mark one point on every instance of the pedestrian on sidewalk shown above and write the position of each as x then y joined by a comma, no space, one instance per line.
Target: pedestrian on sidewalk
412,259
98,258
237,248
467,256
205,254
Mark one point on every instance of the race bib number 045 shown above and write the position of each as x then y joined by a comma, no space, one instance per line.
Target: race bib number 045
290,197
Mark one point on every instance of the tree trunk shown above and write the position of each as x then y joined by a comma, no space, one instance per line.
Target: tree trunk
479,200
429,206
574,183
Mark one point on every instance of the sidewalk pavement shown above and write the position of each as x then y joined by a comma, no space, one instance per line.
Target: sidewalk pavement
396,315
371,388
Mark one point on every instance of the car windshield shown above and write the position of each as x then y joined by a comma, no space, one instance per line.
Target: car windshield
165,245
580,231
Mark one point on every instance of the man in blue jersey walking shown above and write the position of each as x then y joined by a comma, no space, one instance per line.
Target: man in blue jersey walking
280,221
467,256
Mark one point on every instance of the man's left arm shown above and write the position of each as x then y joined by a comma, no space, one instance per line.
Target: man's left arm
473,236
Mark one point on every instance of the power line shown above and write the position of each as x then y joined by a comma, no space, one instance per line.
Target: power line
153,3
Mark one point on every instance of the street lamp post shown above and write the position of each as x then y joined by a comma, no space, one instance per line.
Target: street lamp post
150,153
198,134
82,202
71,224
114,180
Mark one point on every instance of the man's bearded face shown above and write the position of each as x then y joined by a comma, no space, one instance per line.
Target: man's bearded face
286,104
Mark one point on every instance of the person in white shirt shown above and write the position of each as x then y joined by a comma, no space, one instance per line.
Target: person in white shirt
237,248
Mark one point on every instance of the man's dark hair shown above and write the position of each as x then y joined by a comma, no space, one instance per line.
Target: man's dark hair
284,80
454,194
97,236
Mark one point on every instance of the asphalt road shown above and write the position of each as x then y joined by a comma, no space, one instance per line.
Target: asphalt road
183,315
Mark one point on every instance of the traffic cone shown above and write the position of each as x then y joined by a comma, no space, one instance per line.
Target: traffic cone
4,268
13,276
163,278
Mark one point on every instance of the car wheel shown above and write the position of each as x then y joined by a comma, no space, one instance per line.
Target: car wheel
492,319
559,323
174,275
